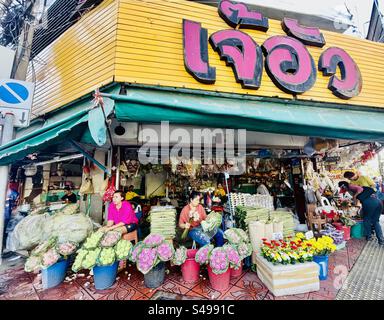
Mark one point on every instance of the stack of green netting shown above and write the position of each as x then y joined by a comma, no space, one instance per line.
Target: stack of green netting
163,221
244,215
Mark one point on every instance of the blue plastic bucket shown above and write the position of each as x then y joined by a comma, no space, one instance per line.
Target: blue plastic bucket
322,261
55,274
105,276
155,277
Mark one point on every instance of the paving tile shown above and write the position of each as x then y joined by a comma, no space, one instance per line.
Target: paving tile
315,296
250,281
191,293
236,293
169,286
204,289
22,291
64,291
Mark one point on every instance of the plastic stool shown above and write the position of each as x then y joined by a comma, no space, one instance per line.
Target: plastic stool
131,236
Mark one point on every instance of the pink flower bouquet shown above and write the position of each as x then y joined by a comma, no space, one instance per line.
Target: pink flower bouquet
49,258
110,239
202,256
66,248
233,256
219,261
150,252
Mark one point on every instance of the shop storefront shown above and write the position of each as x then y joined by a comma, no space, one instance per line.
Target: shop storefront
300,93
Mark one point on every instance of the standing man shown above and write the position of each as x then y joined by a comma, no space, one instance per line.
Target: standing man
10,204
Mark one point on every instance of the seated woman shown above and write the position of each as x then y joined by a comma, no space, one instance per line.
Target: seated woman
372,208
191,217
121,216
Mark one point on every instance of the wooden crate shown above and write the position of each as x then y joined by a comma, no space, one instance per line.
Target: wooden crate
291,279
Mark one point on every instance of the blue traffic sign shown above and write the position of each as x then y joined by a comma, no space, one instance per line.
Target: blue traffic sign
13,93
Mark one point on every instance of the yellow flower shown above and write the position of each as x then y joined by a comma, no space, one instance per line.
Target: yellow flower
300,235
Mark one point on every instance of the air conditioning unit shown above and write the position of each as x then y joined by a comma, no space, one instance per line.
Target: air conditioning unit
124,133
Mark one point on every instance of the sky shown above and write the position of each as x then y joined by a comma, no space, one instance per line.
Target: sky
360,9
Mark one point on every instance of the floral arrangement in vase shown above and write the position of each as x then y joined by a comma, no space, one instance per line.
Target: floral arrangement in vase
102,249
239,240
148,253
48,253
322,246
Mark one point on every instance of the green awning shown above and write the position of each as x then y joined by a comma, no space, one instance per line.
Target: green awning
41,138
151,106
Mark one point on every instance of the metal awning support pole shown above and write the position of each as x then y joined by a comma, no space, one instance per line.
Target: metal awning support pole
88,156
226,175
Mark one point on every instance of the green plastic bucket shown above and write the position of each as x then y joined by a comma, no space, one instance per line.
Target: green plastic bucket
357,230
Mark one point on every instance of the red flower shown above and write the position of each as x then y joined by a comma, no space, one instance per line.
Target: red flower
264,239
309,245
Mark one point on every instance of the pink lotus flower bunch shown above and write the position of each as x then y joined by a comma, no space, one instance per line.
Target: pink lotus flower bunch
154,240
202,256
233,256
165,251
110,239
135,251
66,248
50,258
219,260
146,259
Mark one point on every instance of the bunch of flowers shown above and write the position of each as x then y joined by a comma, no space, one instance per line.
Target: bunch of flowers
148,253
288,251
239,240
322,246
336,235
180,256
193,217
219,261
48,253
203,254
102,249
233,255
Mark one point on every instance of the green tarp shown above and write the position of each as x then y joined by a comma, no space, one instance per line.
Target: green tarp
42,138
153,106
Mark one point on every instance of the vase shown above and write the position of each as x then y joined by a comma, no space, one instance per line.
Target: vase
219,282
322,261
155,277
105,276
190,269
55,274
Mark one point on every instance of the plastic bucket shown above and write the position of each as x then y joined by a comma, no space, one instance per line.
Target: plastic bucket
357,230
345,229
105,276
155,277
55,274
322,261
190,268
219,282
237,273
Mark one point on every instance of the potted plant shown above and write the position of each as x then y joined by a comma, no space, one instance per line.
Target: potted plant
101,253
218,261
239,240
52,257
322,247
150,256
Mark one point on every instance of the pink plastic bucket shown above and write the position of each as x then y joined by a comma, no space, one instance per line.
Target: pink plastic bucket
346,230
190,268
237,273
219,282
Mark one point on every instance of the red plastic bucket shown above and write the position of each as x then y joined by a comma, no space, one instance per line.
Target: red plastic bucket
190,268
237,273
219,282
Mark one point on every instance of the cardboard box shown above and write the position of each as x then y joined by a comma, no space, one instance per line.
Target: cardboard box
290,279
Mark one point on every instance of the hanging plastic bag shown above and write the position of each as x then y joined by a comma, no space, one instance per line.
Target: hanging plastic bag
86,185
108,195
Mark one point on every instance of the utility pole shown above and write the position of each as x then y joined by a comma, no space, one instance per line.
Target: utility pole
19,72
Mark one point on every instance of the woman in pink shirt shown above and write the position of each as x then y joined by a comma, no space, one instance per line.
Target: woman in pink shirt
121,216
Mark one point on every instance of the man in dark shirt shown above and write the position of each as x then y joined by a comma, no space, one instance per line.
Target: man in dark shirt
69,196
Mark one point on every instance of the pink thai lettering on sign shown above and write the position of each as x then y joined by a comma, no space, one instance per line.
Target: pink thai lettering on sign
195,43
238,13
242,53
308,35
289,64
351,83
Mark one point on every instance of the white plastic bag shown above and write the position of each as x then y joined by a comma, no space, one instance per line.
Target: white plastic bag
28,232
